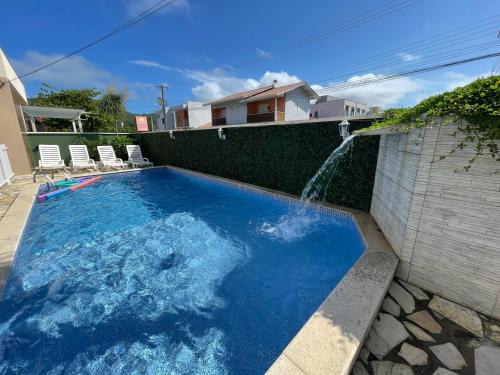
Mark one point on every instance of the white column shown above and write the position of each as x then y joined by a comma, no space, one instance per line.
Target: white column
33,125
74,126
80,126
275,108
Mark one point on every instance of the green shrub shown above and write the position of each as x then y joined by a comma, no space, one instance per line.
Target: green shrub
118,142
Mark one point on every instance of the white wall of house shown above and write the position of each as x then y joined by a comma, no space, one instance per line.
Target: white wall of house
297,105
337,107
236,113
441,221
199,115
160,124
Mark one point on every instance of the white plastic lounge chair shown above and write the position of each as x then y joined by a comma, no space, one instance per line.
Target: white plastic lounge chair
50,160
108,158
80,158
135,157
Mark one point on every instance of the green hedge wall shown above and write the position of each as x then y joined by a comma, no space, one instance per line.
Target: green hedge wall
280,157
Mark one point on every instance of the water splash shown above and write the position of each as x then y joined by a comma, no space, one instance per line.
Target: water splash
317,186
300,221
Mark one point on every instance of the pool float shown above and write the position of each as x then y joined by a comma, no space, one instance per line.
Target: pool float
66,187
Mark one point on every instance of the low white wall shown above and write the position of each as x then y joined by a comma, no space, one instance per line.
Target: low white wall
443,222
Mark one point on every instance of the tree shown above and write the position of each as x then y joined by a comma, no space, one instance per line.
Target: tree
112,103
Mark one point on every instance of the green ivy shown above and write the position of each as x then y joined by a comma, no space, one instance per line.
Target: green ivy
478,103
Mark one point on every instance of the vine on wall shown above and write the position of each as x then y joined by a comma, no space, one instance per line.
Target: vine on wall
478,103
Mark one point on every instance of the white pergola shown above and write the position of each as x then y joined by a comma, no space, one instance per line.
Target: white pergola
72,114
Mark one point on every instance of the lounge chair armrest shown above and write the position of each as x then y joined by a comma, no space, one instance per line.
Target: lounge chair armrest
118,160
146,159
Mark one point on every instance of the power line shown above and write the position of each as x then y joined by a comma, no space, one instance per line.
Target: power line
373,14
439,42
148,12
423,62
364,82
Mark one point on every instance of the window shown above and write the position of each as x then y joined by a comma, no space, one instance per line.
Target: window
316,114
295,108
263,108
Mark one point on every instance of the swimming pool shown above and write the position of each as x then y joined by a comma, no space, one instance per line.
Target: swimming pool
161,271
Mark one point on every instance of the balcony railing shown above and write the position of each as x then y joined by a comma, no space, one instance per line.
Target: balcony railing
218,121
265,117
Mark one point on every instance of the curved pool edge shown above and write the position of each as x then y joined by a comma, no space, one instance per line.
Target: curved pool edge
332,337
330,341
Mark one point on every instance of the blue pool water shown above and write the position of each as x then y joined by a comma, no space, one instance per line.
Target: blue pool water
163,272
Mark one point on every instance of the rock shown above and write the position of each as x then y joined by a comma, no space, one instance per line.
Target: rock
413,355
363,355
390,368
415,290
493,332
386,333
458,314
487,360
402,297
418,332
449,355
437,315
359,369
391,307
443,371
425,320
400,369
381,367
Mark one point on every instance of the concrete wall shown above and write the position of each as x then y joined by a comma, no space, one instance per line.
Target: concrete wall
296,105
236,113
442,222
10,128
12,96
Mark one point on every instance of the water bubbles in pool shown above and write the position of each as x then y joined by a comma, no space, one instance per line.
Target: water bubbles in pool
293,226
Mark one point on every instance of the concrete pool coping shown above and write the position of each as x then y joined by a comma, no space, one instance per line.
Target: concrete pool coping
331,339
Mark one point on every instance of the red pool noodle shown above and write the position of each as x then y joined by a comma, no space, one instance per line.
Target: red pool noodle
84,183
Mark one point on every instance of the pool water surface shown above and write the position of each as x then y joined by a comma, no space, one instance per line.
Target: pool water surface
165,272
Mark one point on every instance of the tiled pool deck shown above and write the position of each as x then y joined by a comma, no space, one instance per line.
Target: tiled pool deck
330,340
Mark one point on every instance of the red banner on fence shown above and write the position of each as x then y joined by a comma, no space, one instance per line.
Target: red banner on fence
142,123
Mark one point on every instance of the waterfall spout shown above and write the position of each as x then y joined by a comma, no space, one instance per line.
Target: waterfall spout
318,184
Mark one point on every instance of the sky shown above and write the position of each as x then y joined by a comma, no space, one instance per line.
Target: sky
204,50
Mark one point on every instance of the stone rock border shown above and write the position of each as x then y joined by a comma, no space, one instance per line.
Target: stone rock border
417,332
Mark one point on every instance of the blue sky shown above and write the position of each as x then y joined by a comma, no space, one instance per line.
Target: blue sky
206,49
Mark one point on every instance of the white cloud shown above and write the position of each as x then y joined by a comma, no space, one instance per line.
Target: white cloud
264,54
217,83
382,94
150,64
135,7
408,56
75,71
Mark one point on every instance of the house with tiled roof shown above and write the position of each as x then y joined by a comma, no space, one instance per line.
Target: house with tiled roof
264,104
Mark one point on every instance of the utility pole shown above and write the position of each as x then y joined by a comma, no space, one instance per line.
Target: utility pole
162,87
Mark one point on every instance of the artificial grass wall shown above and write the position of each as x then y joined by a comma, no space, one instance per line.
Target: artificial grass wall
281,157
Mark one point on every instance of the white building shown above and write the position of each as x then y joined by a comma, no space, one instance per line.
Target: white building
188,115
264,104
329,106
